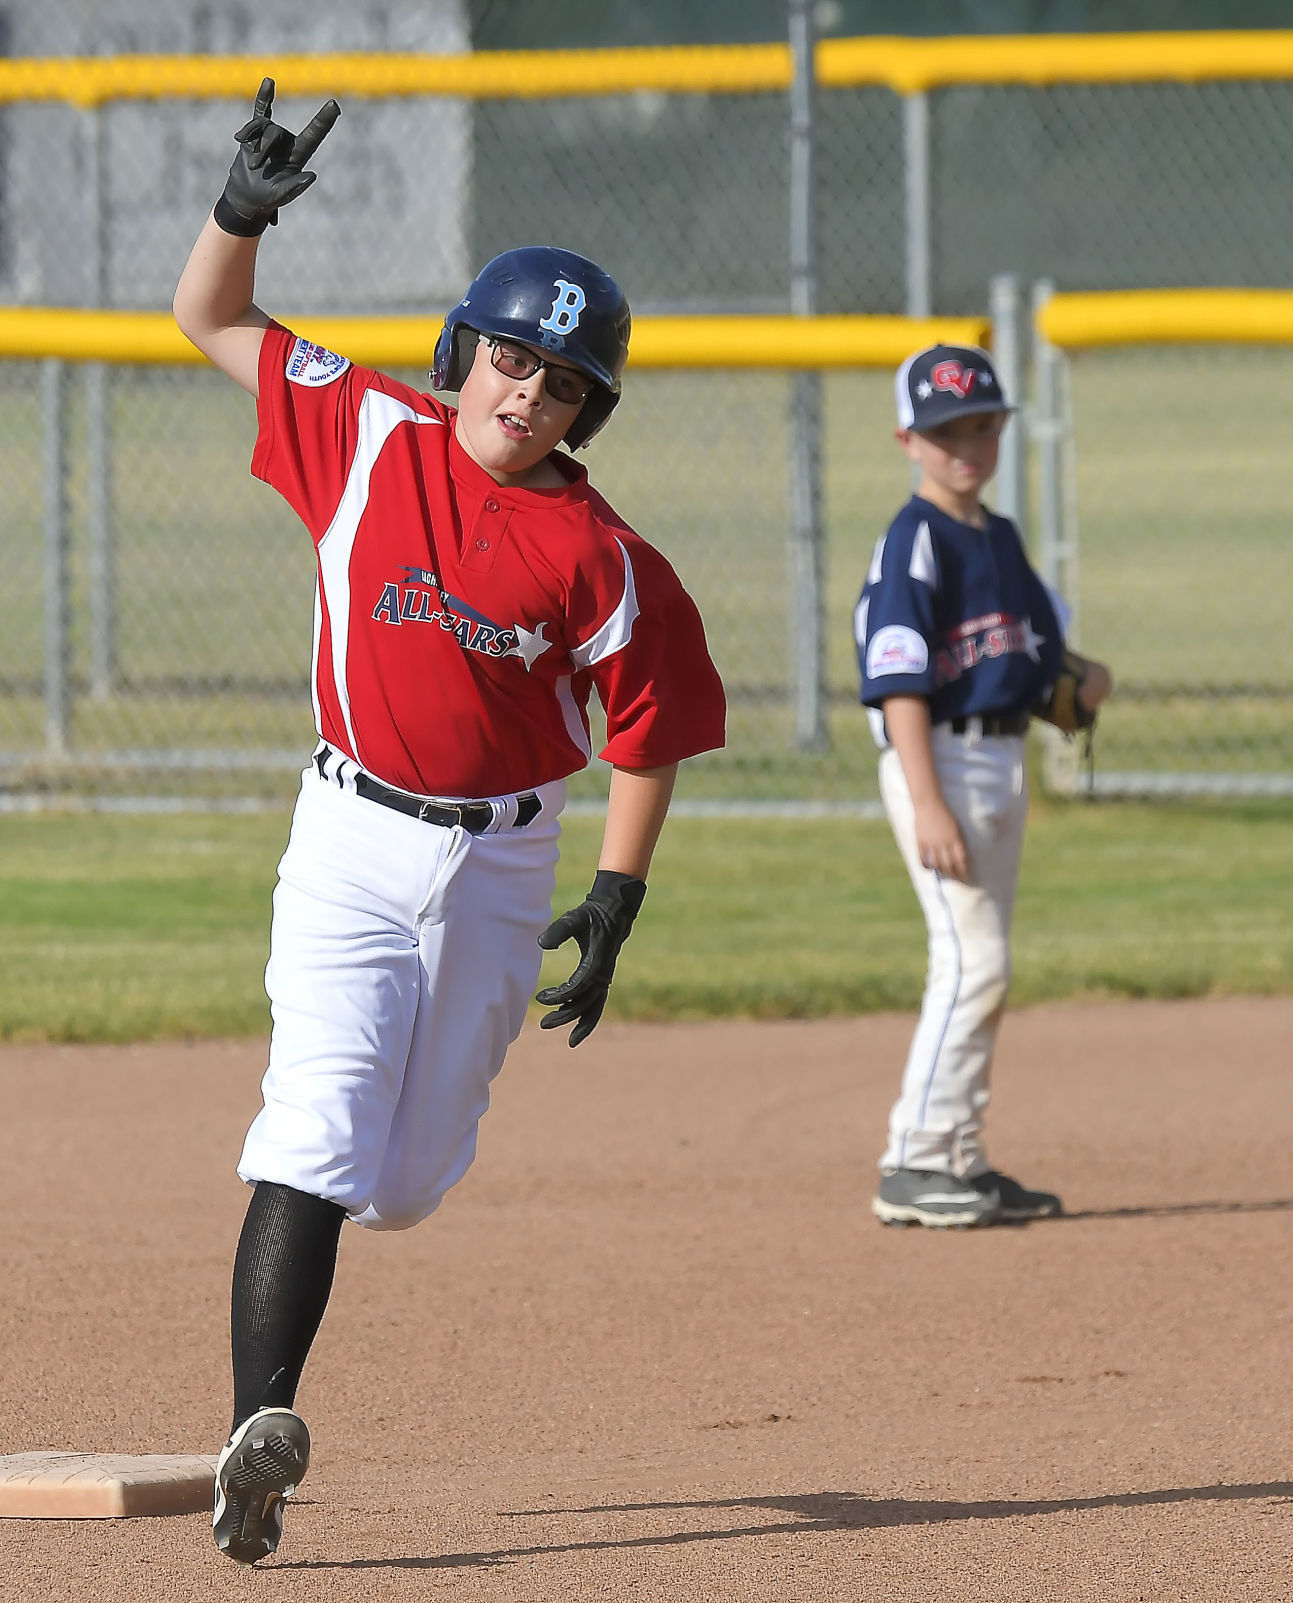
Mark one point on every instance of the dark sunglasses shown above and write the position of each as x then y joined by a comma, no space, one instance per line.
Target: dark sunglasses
563,384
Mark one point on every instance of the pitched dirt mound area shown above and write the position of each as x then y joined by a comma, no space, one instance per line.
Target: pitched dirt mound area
655,1347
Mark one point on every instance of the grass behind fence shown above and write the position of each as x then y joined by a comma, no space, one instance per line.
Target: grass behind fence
122,928
1182,503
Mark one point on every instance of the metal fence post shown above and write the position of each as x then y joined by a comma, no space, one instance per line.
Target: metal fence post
1046,425
1059,756
54,437
916,195
1005,307
808,545
98,424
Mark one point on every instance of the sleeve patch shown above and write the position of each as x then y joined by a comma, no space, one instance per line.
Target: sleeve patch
312,365
896,649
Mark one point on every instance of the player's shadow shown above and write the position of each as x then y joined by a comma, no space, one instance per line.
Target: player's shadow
814,1511
1167,1210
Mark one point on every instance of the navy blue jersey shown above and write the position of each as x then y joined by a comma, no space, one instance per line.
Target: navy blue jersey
955,614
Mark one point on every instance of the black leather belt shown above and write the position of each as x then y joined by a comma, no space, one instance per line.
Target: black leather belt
993,723
474,816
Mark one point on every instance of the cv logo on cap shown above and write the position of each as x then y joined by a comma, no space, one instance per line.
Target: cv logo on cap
952,376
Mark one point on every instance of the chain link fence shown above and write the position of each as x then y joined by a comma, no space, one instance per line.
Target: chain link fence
686,196
189,586
1177,525
211,623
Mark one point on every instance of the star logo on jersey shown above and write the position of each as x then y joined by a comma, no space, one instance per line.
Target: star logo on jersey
420,598
1031,641
530,644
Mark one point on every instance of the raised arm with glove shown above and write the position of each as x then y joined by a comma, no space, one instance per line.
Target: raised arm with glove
214,299
267,171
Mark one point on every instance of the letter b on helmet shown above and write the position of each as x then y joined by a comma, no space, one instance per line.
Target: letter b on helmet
564,315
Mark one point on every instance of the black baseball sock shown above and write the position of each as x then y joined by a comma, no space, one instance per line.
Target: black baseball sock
282,1277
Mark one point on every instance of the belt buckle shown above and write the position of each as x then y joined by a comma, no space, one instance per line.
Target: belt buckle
431,812
475,817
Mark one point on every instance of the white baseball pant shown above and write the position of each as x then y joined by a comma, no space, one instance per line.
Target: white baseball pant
937,1121
403,956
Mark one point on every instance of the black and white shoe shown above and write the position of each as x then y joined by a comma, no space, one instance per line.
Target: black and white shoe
1017,1202
260,1467
939,1201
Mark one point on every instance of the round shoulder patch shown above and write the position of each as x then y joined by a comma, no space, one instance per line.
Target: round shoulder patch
896,649
311,364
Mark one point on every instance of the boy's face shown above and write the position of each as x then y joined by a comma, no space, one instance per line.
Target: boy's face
958,456
509,425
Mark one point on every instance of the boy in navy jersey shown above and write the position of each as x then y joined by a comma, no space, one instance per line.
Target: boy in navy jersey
957,639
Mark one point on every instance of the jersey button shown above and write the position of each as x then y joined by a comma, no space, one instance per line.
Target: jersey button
482,545
491,505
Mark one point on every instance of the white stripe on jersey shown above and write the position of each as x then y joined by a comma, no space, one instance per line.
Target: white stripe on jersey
1063,612
617,631
576,723
876,569
902,394
859,620
922,565
379,415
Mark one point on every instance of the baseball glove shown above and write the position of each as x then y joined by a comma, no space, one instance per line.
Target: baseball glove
1063,707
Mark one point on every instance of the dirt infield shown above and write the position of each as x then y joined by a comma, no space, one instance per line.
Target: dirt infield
654,1347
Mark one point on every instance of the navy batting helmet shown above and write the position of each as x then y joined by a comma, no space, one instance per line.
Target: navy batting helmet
542,295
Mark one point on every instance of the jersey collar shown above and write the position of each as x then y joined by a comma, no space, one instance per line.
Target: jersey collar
472,477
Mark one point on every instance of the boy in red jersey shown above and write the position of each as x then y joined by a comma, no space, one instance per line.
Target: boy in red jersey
473,590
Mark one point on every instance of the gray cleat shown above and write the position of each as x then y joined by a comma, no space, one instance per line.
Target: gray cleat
940,1201
262,1465
1017,1202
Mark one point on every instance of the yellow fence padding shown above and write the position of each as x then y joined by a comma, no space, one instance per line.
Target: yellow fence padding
1170,316
912,65
1132,317
151,337
905,65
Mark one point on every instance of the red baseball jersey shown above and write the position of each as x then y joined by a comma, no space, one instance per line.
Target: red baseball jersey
460,625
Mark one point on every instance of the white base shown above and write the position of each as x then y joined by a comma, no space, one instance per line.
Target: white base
99,1486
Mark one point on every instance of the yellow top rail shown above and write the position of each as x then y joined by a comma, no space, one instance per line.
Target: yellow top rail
913,65
1078,321
908,66
152,337
1170,317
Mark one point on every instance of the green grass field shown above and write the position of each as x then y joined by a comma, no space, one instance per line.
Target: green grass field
122,928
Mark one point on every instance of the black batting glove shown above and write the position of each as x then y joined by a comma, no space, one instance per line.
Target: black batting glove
266,172
601,924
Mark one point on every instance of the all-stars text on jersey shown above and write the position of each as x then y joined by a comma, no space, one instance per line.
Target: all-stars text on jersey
980,639
412,600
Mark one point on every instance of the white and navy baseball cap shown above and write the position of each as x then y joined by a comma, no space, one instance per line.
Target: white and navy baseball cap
946,381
